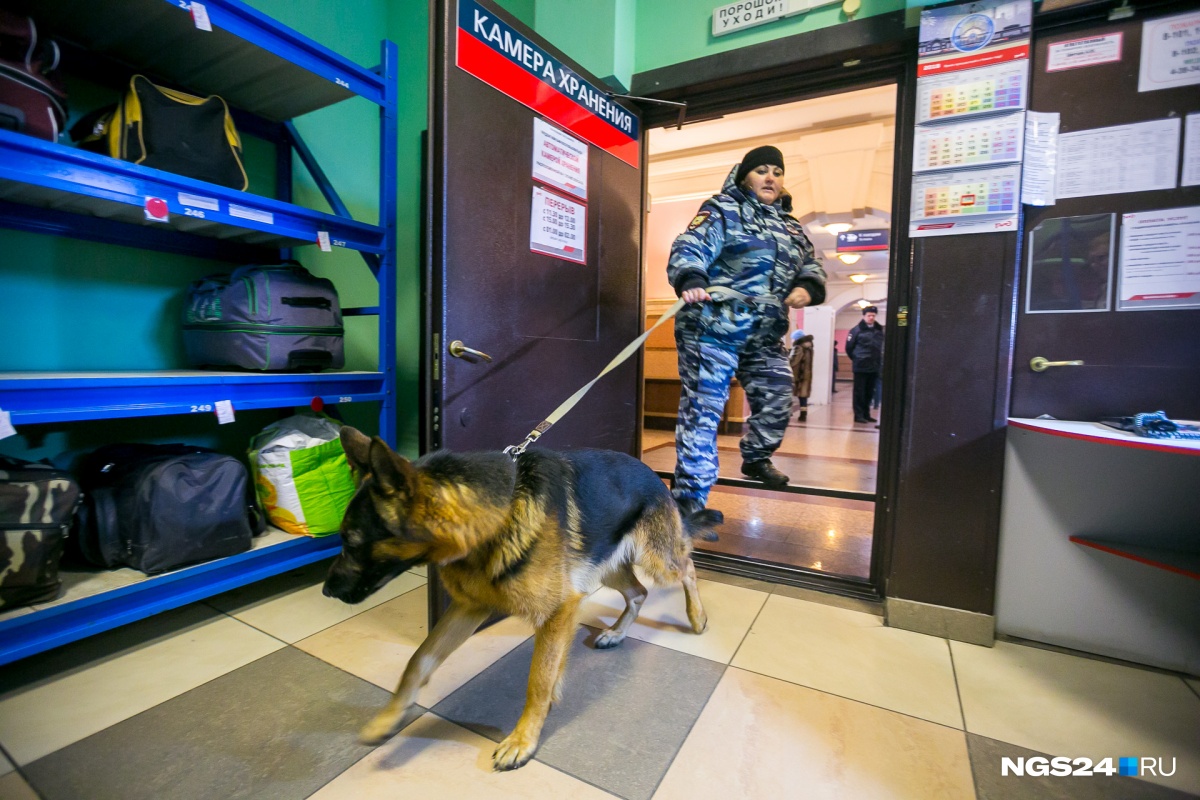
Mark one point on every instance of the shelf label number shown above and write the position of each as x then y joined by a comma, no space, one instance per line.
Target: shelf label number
204,408
193,212
339,242
342,83
346,399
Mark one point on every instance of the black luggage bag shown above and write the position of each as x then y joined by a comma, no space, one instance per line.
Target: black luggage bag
37,503
159,507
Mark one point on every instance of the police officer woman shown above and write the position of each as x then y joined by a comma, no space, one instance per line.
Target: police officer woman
744,243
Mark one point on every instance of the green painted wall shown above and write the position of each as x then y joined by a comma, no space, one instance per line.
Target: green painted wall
75,305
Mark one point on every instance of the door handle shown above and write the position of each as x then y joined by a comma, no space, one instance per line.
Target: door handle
1039,364
458,350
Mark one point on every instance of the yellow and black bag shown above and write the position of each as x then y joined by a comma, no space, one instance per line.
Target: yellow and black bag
168,130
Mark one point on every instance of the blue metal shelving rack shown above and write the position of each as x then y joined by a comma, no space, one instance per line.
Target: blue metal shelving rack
271,74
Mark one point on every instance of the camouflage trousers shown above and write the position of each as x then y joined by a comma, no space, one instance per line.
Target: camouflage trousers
705,370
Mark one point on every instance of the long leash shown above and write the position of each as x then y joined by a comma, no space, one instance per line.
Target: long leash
718,293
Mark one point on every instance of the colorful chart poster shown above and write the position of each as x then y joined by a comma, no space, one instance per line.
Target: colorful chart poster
1123,158
1160,259
985,142
973,35
558,226
559,159
1170,52
966,94
965,201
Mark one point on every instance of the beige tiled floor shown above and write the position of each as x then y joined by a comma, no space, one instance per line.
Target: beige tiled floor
376,644
436,759
759,737
855,656
817,701
663,620
1065,705
167,655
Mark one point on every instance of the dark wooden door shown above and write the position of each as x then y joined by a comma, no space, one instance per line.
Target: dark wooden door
1142,360
549,324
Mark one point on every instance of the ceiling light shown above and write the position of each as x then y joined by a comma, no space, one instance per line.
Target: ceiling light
863,303
849,258
838,227
859,277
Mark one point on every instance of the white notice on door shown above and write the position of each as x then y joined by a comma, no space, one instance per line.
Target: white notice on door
558,226
1123,158
559,159
1086,52
1160,259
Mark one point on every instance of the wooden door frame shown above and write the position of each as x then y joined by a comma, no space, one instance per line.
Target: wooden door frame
874,52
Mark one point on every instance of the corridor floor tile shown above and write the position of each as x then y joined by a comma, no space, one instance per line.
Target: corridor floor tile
281,728
991,784
291,606
14,787
1071,706
99,681
852,654
663,619
6,767
433,758
765,738
624,713
376,646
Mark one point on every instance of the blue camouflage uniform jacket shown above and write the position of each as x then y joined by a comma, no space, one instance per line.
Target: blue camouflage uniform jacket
756,249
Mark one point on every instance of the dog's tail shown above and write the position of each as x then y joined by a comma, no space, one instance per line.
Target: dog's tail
700,524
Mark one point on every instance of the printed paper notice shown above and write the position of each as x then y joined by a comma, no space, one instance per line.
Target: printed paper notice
1191,151
559,159
558,226
224,412
1041,158
1086,52
965,201
1170,52
1124,158
975,143
1160,259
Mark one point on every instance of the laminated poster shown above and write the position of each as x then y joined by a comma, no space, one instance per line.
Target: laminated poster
1160,260
558,226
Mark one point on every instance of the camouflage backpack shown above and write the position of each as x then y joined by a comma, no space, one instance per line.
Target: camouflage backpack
37,503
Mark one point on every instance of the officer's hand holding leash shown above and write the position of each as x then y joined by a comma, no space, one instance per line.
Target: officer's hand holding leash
695,296
797,298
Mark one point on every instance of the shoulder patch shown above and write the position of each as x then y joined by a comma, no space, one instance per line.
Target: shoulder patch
699,220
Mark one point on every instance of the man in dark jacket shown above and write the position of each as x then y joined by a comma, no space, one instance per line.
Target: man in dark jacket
864,345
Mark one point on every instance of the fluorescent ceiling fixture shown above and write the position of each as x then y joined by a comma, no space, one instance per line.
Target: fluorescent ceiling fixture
838,227
850,258
859,278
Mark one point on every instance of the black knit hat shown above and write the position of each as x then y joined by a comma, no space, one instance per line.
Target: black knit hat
756,158
870,310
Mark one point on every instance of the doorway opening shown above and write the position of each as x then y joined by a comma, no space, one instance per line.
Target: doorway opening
839,154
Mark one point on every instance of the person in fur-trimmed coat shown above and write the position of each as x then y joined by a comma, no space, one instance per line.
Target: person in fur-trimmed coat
801,361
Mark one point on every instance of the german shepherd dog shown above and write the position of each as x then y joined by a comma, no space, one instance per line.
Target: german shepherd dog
528,538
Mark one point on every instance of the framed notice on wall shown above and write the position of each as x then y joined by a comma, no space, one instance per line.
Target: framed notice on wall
558,227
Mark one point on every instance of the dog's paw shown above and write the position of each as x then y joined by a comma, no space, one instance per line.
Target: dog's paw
380,729
608,639
514,752
699,623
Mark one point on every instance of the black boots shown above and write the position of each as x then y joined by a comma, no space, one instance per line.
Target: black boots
764,471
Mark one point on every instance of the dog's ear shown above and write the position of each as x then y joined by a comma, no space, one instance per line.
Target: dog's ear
393,472
357,447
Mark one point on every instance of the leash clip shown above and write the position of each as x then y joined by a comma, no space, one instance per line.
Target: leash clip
514,451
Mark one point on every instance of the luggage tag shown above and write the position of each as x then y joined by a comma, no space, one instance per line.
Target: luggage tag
157,209
200,17
224,412
6,426
323,241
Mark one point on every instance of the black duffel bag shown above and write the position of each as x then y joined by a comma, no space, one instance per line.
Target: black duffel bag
158,507
37,503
